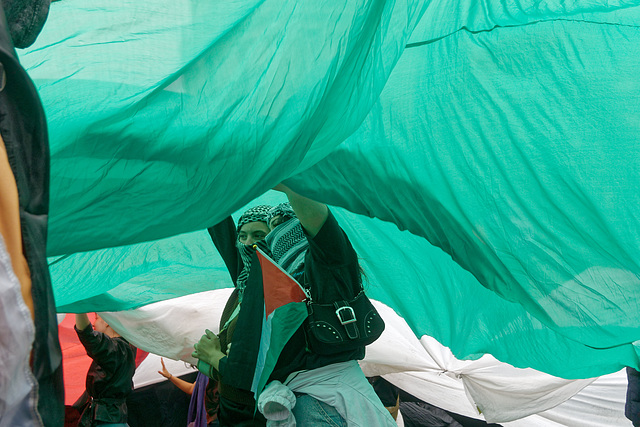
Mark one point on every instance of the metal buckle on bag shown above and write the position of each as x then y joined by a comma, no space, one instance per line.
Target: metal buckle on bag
346,315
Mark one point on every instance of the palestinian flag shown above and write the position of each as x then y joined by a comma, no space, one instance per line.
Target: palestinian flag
283,313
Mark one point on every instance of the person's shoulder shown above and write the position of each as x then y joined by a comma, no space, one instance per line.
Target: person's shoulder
122,341
328,231
124,347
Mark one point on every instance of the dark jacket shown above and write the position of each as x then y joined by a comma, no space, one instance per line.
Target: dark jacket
24,131
329,260
110,376
632,405
237,405
330,253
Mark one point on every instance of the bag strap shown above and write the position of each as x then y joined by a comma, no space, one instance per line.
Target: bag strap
347,317
306,288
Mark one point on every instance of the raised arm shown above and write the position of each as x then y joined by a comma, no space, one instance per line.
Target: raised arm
183,385
312,214
82,321
224,238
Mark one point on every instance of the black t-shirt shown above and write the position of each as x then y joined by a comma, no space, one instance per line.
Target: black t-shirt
333,273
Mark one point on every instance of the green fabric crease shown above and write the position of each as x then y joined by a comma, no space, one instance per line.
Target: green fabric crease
507,153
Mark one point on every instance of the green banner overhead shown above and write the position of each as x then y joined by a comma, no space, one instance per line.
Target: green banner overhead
502,138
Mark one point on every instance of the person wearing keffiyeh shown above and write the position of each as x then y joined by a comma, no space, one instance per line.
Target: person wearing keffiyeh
280,214
252,227
323,389
234,242
287,243
308,388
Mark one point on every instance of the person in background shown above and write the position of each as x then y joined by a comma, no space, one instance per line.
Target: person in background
203,407
110,376
31,386
632,404
388,394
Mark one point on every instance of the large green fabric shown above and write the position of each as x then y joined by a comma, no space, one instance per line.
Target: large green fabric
505,133
520,166
156,110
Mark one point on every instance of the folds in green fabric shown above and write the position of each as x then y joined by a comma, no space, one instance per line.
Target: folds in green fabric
504,133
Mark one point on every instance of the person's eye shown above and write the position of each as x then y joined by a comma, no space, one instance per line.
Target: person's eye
242,238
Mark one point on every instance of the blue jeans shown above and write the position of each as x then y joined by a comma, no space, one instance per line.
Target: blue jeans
312,412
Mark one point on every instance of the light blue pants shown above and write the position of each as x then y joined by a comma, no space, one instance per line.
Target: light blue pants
309,411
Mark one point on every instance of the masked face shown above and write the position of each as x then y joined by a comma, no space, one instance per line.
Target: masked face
252,232
26,19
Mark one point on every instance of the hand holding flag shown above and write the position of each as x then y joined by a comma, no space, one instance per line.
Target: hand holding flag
208,349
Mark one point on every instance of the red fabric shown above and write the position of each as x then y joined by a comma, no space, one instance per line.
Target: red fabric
279,287
140,356
75,362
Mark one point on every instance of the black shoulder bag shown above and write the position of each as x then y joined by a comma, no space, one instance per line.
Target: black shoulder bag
341,326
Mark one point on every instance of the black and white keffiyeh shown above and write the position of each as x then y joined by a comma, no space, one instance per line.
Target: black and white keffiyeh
288,245
255,214
283,209
246,253
258,213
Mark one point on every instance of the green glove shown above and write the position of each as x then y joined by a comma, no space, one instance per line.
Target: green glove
208,349
207,369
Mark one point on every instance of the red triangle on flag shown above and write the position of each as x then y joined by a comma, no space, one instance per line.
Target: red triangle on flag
279,287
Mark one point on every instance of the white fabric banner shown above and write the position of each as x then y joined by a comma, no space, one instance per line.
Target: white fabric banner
484,389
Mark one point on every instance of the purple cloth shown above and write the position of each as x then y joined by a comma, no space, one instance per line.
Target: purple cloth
197,411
